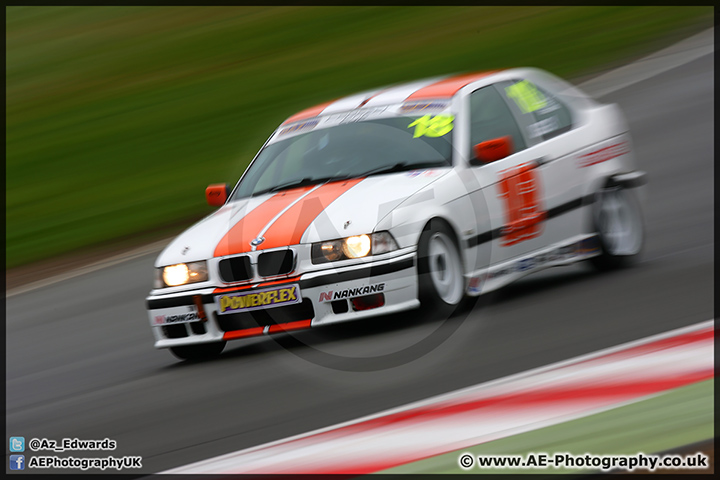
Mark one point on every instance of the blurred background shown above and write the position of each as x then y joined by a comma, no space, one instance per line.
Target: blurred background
119,117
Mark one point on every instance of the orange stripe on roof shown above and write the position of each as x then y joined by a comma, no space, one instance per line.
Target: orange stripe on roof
309,112
289,228
238,238
448,86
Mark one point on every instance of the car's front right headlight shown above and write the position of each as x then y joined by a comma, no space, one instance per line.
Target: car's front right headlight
357,246
181,274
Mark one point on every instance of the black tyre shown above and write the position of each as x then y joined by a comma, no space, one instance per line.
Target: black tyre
618,221
202,351
440,272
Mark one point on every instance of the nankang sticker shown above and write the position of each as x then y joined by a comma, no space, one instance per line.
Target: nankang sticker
333,295
179,318
429,126
268,298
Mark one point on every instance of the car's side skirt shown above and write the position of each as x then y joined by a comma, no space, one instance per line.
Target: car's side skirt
575,249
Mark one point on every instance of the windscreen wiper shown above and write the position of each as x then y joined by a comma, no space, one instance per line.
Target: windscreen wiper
402,166
299,183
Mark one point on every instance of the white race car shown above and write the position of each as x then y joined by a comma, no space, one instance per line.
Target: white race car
411,195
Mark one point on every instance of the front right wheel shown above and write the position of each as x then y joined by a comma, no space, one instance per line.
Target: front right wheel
440,272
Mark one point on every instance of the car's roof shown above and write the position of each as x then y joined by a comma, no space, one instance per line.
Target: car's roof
427,89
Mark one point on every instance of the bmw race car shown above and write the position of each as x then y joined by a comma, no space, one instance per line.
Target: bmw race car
418,194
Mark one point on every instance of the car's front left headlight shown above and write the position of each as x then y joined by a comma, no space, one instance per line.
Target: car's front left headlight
357,246
181,274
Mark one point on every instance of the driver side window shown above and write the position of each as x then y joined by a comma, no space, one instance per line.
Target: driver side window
491,118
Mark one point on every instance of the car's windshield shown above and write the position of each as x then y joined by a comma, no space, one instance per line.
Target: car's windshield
350,150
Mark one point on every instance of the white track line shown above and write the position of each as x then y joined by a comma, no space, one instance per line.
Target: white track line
674,56
99,265
659,62
420,431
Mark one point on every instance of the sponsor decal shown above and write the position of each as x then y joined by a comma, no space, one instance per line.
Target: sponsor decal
538,129
356,115
519,192
420,106
527,96
429,126
176,318
586,247
421,173
603,155
267,298
309,125
475,284
333,295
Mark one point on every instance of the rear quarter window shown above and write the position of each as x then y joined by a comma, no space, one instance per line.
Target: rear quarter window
542,115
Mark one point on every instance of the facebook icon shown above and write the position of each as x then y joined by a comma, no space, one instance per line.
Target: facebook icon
17,462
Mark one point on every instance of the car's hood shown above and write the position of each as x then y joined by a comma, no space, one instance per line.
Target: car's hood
301,215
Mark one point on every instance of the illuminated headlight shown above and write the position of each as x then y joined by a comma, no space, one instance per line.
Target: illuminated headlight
181,274
357,246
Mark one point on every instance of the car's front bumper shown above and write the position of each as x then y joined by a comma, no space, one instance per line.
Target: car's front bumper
328,296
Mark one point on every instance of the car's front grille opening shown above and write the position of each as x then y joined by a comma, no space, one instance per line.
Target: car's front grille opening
198,328
235,269
339,306
175,331
265,317
275,263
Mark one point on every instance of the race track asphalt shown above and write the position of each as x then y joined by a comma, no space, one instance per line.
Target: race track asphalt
80,360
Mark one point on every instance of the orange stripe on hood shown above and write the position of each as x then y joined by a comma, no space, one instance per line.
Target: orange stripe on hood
289,228
238,238
447,87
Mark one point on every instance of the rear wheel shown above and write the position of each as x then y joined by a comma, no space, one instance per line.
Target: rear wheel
440,272
203,351
619,224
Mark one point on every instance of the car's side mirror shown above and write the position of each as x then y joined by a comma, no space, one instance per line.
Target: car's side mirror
217,194
491,150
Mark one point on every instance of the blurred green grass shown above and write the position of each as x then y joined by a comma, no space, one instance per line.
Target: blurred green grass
118,117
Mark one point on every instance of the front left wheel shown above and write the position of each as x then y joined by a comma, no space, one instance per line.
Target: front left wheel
440,272
202,351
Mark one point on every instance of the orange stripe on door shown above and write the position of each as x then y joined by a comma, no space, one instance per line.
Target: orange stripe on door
447,87
289,228
238,238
